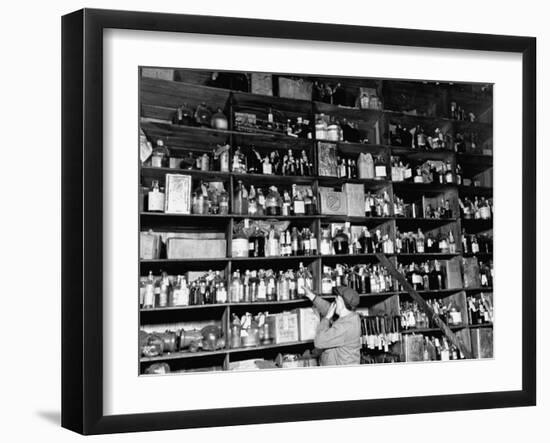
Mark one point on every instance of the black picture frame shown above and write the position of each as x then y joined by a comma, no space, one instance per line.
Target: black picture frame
82,219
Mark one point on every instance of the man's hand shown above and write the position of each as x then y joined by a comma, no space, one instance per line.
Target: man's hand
331,311
309,293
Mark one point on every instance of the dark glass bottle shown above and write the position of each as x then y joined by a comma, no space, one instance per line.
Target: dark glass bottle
340,242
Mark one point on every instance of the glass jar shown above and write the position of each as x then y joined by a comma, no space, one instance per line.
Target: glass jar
333,133
364,101
251,336
321,129
160,155
219,120
239,245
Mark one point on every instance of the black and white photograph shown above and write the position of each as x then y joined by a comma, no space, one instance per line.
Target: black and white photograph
291,220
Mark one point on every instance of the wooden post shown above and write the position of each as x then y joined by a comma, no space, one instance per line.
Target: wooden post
423,305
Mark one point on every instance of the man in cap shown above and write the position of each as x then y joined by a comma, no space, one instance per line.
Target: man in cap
340,339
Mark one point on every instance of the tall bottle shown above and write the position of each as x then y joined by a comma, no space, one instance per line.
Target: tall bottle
236,291
165,289
238,203
149,297
180,294
273,202
298,203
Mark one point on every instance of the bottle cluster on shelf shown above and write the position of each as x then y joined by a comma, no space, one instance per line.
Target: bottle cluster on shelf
480,309
276,239
330,128
436,348
430,171
412,317
268,285
379,332
416,210
202,116
418,243
275,162
364,278
481,208
426,276
477,243
170,291
343,242
367,167
209,198
299,200
272,121
416,138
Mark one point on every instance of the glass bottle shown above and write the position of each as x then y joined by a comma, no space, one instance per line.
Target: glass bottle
298,203
340,242
326,281
149,296
223,203
219,120
160,155
273,202
155,198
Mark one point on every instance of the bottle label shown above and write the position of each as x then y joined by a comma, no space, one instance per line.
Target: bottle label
156,161
299,207
380,171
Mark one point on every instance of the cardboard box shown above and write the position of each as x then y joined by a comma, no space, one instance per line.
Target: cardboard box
355,199
452,271
297,89
308,321
412,348
186,246
159,73
149,245
470,268
261,83
284,327
482,342
332,202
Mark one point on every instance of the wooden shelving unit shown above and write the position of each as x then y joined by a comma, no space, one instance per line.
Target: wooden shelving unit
158,102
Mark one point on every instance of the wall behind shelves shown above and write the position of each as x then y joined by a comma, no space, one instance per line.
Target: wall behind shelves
31,42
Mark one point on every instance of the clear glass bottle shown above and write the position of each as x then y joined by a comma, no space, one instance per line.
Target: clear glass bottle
160,155
155,198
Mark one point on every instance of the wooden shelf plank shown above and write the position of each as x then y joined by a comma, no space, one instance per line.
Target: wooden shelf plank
187,354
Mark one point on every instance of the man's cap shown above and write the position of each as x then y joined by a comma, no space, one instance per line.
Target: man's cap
350,296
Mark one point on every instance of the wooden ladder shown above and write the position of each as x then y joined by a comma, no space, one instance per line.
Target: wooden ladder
451,336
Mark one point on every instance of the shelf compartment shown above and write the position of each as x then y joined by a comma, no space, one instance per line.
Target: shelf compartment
369,116
475,226
172,94
185,138
405,224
